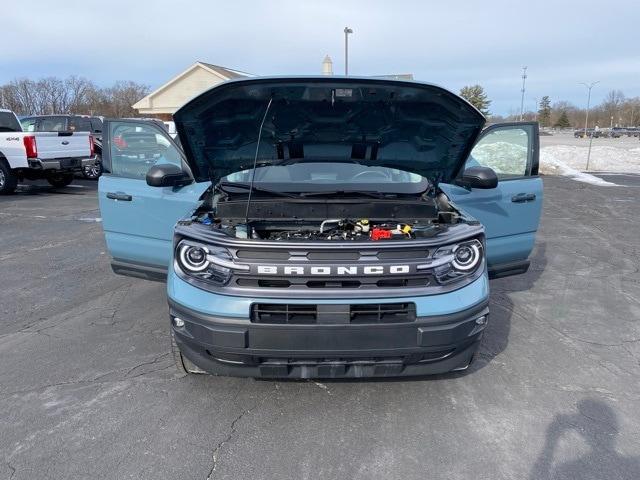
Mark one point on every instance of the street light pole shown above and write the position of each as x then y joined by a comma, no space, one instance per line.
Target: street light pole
347,31
524,78
586,119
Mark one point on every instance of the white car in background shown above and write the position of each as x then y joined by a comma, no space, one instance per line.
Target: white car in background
52,156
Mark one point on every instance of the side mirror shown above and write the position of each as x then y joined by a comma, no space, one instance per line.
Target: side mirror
167,175
478,177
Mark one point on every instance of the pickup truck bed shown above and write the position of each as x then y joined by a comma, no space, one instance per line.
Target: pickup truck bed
55,150
53,156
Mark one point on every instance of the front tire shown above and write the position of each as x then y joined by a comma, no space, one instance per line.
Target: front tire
60,180
183,364
8,181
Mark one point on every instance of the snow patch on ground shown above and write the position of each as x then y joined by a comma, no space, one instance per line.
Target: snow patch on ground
570,161
502,157
603,158
552,166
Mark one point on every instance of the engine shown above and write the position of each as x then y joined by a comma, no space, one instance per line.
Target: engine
346,229
363,220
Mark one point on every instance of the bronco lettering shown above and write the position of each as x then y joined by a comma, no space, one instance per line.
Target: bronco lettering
328,270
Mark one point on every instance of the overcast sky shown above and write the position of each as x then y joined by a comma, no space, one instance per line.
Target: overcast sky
451,43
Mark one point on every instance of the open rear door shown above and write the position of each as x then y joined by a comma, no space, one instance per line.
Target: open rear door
510,213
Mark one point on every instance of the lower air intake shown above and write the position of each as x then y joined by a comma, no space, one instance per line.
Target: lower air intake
369,313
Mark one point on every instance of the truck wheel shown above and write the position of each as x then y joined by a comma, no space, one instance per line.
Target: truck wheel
183,364
60,180
8,181
94,171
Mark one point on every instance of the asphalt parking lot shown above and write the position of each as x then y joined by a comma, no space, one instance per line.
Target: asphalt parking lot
88,388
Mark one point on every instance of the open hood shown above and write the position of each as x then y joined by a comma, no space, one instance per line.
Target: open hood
410,126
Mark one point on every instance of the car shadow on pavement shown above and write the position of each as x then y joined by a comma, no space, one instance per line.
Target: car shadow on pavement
597,424
501,307
46,189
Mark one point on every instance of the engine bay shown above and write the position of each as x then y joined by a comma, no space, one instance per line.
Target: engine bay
366,220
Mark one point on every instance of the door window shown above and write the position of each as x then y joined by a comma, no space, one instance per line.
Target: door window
136,147
505,149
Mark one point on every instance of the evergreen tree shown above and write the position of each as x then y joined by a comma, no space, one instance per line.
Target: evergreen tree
563,121
475,95
544,113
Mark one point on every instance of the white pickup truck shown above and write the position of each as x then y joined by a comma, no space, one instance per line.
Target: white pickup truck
53,156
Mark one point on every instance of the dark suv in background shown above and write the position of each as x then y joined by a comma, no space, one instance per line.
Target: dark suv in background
71,123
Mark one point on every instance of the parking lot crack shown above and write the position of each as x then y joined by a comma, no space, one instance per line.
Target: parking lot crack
54,385
152,362
96,380
12,469
231,434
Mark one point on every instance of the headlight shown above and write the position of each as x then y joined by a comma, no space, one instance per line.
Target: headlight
457,261
193,258
206,262
467,256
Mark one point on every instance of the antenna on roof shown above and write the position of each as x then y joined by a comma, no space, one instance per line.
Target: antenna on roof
255,162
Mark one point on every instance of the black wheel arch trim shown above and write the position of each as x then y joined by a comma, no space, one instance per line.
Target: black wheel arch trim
139,270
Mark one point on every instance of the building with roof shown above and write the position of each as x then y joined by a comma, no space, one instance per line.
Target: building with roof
201,76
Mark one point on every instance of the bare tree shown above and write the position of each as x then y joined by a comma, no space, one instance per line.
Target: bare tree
124,94
630,112
20,96
78,89
70,95
611,105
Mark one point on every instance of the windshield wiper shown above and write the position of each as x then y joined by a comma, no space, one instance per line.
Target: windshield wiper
244,186
364,193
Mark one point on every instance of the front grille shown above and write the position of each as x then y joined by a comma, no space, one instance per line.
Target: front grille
334,284
362,282
262,283
356,314
354,271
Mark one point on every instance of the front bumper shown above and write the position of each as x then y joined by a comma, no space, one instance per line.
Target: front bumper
62,164
432,344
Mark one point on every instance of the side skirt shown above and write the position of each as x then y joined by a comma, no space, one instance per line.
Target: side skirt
508,269
146,272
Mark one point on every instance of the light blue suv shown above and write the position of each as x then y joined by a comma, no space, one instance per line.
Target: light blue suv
322,227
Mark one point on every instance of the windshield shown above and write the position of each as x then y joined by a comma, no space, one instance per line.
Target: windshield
9,123
328,176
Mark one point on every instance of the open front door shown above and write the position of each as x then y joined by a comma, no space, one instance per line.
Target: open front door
138,219
510,213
